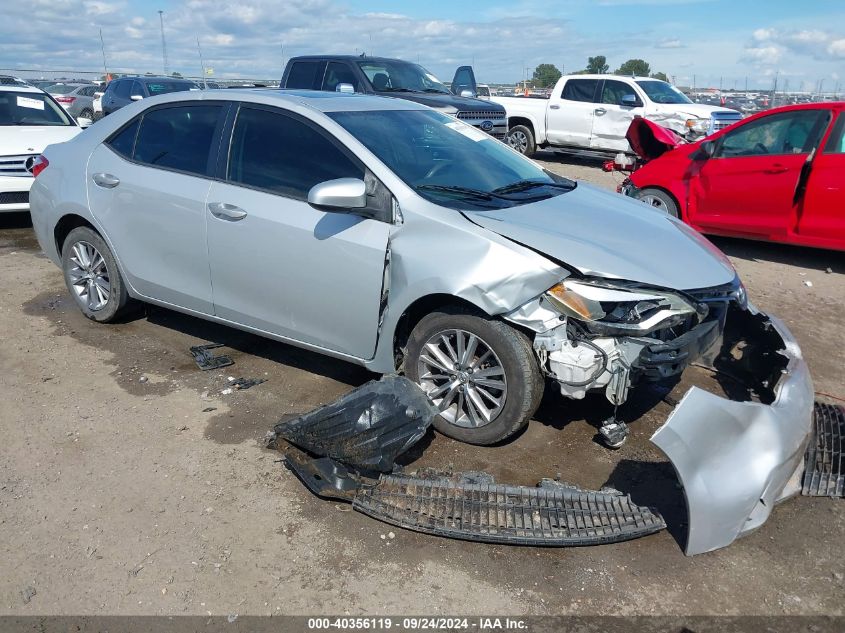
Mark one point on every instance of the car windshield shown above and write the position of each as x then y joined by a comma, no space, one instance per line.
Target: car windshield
60,89
164,86
661,92
449,162
30,108
399,76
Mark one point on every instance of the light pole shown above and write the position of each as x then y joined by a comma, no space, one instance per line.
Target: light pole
163,43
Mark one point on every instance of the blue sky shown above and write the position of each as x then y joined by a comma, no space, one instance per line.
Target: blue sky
703,40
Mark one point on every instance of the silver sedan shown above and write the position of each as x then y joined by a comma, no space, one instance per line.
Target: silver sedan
387,234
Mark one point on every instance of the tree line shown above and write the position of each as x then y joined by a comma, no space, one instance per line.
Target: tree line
546,75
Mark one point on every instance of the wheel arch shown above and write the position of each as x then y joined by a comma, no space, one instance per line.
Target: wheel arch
522,120
65,225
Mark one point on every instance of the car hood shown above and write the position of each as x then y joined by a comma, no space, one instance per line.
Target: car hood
650,140
441,101
609,235
692,110
32,139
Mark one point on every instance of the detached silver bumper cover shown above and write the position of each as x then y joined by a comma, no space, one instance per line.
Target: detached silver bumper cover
736,460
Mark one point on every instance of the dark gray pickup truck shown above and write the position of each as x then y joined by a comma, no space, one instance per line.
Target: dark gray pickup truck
396,78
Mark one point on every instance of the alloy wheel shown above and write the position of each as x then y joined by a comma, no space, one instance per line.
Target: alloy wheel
518,141
654,201
463,377
89,276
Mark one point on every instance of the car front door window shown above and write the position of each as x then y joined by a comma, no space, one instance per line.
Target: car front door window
786,133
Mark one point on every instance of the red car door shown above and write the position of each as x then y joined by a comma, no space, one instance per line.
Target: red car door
821,214
748,186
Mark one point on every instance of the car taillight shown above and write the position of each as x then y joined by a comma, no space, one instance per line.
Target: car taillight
65,99
38,165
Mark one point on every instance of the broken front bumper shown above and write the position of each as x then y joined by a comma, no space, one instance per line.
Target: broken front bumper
735,459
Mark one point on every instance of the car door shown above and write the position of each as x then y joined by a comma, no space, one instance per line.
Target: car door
147,187
111,98
822,205
279,264
611,119
569,117
747,187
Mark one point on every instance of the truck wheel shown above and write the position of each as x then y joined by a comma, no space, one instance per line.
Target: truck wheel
659,200
521,138
480,372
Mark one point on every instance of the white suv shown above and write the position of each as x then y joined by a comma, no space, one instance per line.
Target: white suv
30,120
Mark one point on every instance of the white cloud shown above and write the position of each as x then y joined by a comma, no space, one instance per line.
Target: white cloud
836,48
672,43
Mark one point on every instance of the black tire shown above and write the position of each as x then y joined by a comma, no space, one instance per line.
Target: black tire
118,300
521,138
522,373
660,199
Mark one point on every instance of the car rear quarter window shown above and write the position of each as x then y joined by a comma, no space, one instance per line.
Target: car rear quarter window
267,153
124,141
178,138
305,75
580,90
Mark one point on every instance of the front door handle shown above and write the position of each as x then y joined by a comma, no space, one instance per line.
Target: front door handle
554,107
600,111
105,180
776,169
226,211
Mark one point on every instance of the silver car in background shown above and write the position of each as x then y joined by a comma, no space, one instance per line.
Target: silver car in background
77,99
384,233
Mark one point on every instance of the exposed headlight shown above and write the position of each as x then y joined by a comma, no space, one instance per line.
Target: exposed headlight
608,310
698,125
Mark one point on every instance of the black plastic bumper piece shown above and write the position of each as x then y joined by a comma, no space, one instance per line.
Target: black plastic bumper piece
368,428
551,514
823,473
664,360
205,360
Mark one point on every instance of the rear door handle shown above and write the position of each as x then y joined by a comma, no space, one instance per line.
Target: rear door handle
600,111
554,107
776,169
105,180
226,211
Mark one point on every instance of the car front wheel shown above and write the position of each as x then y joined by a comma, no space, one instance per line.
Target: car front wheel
92,277
481,373
660,200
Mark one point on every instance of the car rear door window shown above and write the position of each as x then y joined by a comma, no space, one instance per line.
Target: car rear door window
178,137
305,75
580,90
268,152
124,141
785,133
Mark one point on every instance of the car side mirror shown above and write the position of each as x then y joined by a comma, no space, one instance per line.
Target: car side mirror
339,195
631,101
83,121
136,97
467,93
345,88
705,151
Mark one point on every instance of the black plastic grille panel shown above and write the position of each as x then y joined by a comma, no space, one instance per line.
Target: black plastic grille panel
823,473
497,513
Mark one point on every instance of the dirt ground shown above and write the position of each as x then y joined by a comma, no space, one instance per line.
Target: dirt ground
130,485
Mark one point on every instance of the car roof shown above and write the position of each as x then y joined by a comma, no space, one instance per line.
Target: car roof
610,76
317,100
20,88
155,78
347,58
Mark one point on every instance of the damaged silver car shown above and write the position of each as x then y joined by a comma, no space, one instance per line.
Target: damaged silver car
387,234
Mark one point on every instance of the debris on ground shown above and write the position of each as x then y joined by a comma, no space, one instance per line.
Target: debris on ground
245,383
205,360
28,593
808,283
357,439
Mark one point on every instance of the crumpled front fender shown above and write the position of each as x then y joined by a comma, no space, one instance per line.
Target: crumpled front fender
735,460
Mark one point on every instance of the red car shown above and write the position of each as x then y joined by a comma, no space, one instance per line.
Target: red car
778,175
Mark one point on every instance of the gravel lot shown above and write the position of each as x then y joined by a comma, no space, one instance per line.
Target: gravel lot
130,485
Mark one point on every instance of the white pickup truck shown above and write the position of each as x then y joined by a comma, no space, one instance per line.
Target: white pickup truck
594,111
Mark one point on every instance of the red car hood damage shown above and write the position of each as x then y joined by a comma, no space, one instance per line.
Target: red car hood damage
650,140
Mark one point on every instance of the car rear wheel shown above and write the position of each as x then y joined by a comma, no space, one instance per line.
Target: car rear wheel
521,138
92,277
660,200
480,372
87,114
